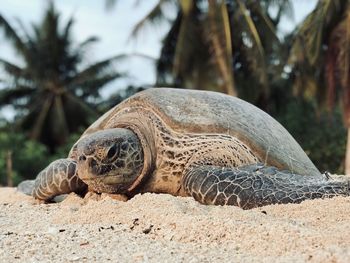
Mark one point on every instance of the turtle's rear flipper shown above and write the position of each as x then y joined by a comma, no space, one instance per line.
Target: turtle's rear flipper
26,187
257,185
60,177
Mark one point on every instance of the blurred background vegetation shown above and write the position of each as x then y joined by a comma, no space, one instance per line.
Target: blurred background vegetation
233,46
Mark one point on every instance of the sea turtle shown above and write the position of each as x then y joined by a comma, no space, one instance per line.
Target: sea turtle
219,149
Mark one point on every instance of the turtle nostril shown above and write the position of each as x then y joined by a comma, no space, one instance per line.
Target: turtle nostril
82,158
92,163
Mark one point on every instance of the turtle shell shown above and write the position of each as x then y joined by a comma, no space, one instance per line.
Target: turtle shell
195,111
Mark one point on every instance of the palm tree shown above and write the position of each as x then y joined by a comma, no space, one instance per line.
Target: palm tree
228,46
224,45
198,54
52,93
320,59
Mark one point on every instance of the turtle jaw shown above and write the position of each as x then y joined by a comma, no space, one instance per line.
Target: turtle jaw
105,178
99,186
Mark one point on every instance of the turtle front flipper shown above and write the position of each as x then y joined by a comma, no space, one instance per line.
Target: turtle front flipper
60,177
257,185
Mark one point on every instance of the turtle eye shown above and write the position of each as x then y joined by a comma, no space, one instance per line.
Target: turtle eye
112,151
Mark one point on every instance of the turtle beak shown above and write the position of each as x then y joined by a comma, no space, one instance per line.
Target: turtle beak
89,169
84,165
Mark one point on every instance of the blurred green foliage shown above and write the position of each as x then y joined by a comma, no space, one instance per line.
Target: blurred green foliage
321,134
28,157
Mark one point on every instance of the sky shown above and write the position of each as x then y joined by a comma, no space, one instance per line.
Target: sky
113,27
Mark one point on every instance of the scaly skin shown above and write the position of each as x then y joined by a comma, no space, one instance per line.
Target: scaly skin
60,177
257,185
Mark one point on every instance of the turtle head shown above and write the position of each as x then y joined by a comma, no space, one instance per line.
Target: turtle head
109,161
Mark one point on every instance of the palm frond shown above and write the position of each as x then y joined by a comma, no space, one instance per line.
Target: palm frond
10,95
338,65
331,60
40,120
81,104
60,127
12,69
189,31
91,87
314,31
255,38
319,54
265,21
24,30
167,53
11,34
94,70
341,40
250,24
67,29
153,16
88,41
180,50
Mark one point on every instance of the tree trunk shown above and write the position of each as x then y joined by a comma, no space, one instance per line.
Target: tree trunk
220,38
347,154
9,170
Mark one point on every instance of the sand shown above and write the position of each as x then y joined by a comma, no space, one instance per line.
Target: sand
163,228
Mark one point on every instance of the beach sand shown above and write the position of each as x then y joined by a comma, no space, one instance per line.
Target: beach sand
163,228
